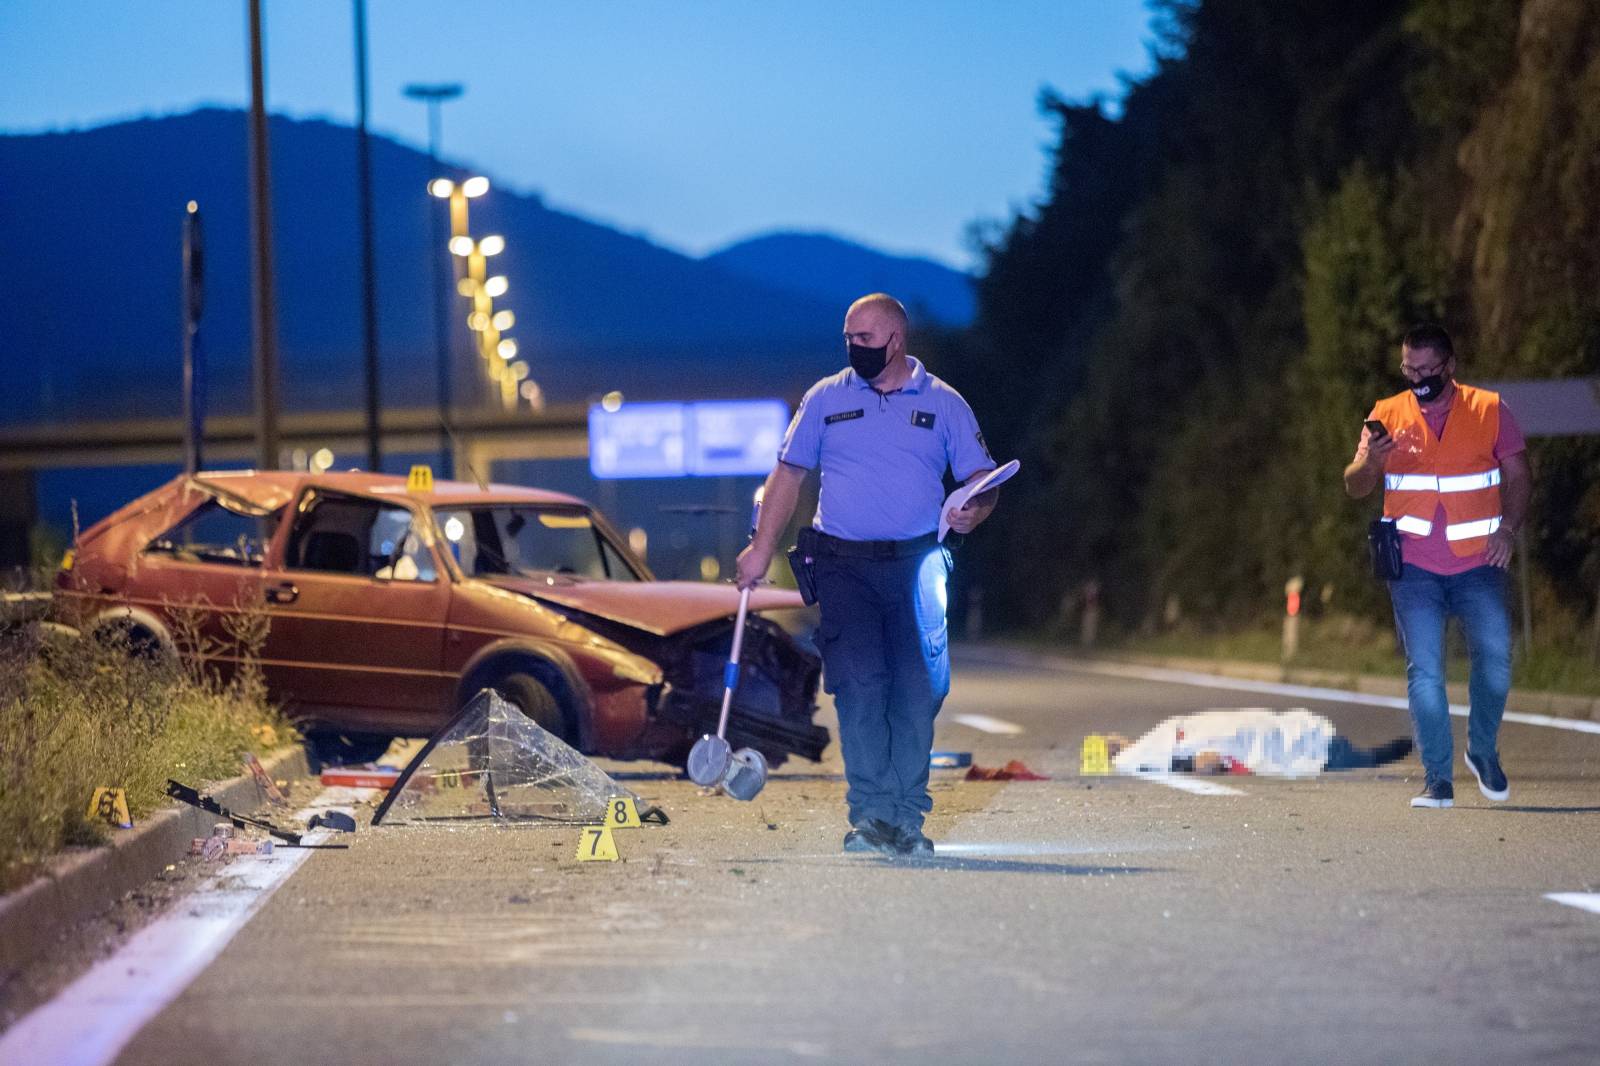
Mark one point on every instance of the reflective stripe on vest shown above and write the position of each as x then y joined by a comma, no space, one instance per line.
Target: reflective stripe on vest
1428,483
1469,530
1417,527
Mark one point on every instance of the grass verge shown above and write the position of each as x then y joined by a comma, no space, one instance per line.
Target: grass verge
76,714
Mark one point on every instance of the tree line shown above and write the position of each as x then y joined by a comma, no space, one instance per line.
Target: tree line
1181,337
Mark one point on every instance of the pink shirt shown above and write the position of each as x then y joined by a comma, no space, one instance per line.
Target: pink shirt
1433,551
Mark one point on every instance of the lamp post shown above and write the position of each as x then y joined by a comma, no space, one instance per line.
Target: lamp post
433,96
264,330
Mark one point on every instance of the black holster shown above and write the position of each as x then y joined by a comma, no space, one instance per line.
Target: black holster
1383,542
803,562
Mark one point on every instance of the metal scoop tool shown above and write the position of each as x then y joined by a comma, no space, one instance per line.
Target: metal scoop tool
712,761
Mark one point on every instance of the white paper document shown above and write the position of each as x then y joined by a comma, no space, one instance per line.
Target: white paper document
959,498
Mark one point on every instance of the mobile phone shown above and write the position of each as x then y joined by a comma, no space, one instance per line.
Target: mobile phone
1375,429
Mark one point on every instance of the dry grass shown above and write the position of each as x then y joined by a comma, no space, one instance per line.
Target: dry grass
76,714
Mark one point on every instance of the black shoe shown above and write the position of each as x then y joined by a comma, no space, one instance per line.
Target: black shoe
1393,751
1491,779
915,843
873,834
1436,793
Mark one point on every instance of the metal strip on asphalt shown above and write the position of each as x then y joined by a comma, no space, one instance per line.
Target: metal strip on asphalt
1584,901
90,1021
1274,688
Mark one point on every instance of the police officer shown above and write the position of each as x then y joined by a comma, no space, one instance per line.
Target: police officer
883,432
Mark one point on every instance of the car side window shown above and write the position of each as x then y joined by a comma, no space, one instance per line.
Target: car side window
349,535
213,533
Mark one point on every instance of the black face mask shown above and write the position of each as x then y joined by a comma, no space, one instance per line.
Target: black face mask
1429,388
869,362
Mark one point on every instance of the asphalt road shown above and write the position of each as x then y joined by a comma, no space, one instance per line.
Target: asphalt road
1071,920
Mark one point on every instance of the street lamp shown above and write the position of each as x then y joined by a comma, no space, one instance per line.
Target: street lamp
434,96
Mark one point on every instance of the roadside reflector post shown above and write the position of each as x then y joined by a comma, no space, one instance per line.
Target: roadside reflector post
1291,616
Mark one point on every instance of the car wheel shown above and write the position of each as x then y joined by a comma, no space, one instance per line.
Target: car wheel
528,695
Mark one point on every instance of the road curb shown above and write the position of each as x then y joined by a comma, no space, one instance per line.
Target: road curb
78,886
1554,704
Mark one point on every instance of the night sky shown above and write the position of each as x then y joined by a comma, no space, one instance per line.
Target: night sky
695,123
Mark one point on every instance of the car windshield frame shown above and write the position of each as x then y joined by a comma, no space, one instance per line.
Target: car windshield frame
607,546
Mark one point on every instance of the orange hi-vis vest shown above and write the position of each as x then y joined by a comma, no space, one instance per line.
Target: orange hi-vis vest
1458,471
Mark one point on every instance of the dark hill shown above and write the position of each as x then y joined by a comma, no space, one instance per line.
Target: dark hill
89,318
819,265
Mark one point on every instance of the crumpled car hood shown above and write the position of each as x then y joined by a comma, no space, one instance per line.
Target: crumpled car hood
659,607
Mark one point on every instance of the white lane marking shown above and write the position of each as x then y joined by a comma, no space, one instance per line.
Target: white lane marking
1584,901
1002,849
989,725
94,1018
1274,688
1185,783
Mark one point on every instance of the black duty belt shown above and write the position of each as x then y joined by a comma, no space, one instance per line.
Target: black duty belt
874,549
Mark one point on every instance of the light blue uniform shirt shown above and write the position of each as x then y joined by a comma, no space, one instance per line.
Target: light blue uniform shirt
883,456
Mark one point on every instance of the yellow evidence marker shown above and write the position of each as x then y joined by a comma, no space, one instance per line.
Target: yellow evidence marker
420,479
1096,761
110,805
596,844
622,813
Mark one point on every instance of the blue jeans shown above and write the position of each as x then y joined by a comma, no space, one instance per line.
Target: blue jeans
1477,598
886,659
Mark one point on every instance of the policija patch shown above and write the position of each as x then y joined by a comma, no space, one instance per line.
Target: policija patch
922,419
844,416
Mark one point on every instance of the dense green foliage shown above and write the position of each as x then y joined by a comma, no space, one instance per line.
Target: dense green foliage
1181,339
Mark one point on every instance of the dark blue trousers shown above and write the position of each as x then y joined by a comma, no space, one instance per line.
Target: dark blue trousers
886,660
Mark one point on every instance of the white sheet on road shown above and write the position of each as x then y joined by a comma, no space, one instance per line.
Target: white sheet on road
94,1018
1292,743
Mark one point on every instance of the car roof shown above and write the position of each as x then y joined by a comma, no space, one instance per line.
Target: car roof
271,489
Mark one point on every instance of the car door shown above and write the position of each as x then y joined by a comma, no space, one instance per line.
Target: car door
203,578
358,608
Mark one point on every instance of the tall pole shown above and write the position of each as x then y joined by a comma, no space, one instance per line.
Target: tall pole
194,367
369,267
263,311
433,96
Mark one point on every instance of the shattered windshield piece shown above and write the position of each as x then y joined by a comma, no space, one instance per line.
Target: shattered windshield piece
529,542
494,762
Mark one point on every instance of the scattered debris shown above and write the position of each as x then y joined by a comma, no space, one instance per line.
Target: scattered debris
192,797
268,787
335,820
1015,770
368,776
949,760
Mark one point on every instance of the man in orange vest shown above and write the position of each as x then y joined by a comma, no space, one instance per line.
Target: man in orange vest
1454,469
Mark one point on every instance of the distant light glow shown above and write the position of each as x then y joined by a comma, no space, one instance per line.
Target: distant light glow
612,401
441,187
193,207
710,569
531,392
467,287
322,460
519,370
477,321
475,186
638,541
461,246
454,530
504,320
496,286
507,348
493,244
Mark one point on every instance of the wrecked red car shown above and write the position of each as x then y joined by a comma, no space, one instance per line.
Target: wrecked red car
385,610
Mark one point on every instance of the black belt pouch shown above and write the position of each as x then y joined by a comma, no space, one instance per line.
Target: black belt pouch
803,561
1383,541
